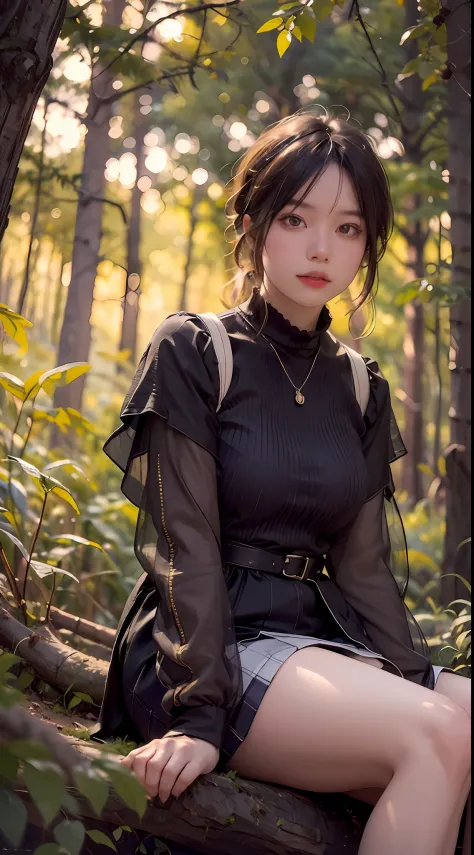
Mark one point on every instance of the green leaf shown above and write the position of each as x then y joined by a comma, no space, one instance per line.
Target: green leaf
415,33
283,42
8,516
45,783
423,467
412,66
420,559
78,698
100,837
429,81
272,24
127,787
57,416
117,833
15,326
25,679
68,465
441,36
7,661
9,766
322,9
48,484
296,32
17,543
32,386
70,833
43,570
62,376
13,385
76,538
307,24
50,849
30,470
13,816
65,494
71,805
28,749
92,784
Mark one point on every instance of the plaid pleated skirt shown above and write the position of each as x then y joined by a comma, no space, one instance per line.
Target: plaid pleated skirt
260,659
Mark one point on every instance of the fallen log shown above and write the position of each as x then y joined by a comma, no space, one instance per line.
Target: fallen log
84,628
97,651
218,813
56,663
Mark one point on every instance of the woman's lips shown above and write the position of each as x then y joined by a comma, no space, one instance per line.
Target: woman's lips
313,281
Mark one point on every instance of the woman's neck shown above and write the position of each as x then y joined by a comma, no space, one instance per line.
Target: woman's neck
303,317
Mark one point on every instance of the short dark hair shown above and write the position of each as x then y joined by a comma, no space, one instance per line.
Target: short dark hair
283,159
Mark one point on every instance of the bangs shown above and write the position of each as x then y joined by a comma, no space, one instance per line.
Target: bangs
292,155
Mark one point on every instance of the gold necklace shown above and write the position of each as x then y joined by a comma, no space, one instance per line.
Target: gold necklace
299,397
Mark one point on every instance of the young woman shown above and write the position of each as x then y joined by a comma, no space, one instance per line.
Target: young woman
266,527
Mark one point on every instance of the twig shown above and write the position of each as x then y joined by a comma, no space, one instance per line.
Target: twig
35,538
176,14
383,74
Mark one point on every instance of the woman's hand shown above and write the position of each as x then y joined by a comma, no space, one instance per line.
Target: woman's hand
169,765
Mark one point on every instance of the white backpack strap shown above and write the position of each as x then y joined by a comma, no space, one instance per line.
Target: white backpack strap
361,377
359,373
223,350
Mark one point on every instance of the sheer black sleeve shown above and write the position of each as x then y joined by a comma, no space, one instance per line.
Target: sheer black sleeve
166,448
368,559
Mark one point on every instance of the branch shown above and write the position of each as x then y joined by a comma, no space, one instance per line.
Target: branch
383,74
176,14
84,628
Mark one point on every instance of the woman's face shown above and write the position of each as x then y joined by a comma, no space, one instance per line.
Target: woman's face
324,236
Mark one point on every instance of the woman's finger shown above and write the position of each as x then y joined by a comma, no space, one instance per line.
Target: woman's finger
158,752
130,757
169,773
188,774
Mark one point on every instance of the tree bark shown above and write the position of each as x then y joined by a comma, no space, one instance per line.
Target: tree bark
34,219
75,338
413,344
131,303
28,33
57,664
457,557
216,813
84,628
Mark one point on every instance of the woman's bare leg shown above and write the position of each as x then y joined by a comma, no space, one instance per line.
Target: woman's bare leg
458,689
355,728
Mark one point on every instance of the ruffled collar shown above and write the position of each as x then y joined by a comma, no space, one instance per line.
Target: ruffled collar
279,329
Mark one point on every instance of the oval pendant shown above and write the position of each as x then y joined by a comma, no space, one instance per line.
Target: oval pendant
299,397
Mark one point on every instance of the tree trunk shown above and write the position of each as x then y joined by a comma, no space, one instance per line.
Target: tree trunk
215,814
189,250
75,338
34,218
413,344
28,34
458,505
131,303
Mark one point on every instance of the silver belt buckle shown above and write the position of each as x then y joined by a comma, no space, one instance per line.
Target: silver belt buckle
300,576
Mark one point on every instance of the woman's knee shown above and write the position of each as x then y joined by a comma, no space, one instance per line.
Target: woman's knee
442,728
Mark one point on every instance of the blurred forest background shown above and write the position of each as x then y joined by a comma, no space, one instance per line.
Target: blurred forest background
117,219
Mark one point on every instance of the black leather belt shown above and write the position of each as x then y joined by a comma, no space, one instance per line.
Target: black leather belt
291,566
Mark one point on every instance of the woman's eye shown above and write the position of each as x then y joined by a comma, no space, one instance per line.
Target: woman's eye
350,230
292,217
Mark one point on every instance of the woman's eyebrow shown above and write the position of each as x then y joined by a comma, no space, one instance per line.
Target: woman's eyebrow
297,204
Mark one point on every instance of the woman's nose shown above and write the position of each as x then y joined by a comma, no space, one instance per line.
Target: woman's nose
319,247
